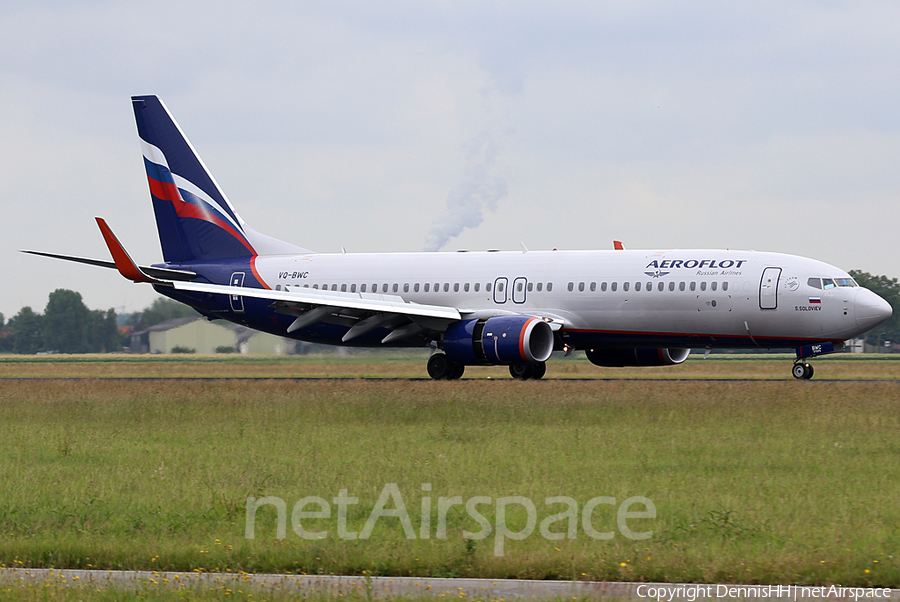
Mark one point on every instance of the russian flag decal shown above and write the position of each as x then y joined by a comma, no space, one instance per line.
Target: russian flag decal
815,300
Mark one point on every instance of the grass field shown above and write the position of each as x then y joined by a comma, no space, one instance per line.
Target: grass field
752,482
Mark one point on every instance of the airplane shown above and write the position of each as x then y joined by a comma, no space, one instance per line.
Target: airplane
514,308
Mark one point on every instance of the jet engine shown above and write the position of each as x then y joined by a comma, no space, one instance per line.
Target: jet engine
499,340
619,358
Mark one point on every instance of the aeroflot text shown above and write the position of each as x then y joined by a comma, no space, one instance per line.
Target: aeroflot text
670,264
562,525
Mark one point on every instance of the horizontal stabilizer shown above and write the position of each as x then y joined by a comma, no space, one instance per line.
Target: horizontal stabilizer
160,273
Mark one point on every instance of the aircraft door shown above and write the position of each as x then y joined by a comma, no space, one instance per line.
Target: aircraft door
518,290
237,302
768,288
500,290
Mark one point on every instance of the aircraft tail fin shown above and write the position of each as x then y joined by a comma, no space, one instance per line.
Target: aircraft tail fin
194,218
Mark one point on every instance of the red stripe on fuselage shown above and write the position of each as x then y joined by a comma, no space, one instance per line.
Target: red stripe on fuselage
167,191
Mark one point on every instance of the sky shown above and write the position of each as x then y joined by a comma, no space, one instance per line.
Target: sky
411,126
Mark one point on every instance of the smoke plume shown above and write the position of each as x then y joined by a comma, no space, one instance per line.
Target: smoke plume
466,203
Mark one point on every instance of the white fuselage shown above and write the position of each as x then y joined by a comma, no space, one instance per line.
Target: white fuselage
721,298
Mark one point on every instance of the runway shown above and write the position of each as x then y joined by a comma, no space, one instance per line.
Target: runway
426,379
468,589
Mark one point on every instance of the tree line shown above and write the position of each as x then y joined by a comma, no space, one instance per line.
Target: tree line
68,326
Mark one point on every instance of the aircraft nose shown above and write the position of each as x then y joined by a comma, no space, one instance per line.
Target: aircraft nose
871,310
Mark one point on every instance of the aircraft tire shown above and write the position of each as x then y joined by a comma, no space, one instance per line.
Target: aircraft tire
439,367
457,371
539,370
521,371
802,371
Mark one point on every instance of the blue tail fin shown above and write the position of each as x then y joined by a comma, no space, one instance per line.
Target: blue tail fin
193,215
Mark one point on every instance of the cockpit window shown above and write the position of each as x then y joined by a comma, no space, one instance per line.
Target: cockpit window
815,282
846,282
827,283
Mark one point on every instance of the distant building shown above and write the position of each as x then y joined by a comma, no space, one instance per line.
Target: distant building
204,336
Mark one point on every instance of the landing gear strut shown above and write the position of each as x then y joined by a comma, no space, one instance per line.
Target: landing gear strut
441,368
528,371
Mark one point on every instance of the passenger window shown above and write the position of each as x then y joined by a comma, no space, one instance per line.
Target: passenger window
571,286
427,287
519,287
649,286
384,287
603,286
625,286
581,287
406,287
724,286
815,282
637,286
416,287
672,286
681,286
277,287
477,286
714,285
316,287
593,286
466,287
693,286
437,287
549,286
703,286
334,287
540,286
456,287
661,286
487,287
530,287
615,285
827,283
343,288
352,288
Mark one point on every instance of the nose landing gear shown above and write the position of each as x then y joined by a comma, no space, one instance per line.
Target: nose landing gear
803,370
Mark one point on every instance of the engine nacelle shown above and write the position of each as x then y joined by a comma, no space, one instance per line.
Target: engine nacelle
619,358
499,340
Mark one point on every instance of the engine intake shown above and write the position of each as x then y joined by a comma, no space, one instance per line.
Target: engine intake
619,358
499,340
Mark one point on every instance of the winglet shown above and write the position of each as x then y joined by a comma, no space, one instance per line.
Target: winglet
120,256
618,246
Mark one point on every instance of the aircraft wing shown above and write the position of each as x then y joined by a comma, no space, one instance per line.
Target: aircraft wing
362,312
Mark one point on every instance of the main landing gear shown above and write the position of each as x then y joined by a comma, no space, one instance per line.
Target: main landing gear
528,371
441,368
